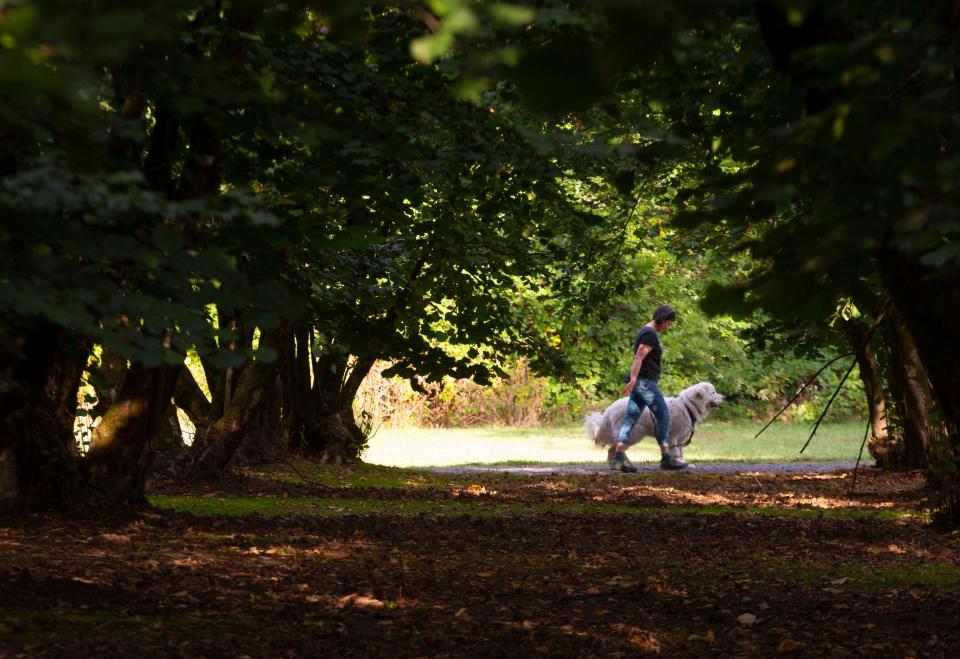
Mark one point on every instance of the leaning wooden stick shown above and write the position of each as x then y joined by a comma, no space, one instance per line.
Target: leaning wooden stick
863,346
802,389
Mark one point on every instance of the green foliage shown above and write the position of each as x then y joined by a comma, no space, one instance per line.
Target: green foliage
267,163
92,240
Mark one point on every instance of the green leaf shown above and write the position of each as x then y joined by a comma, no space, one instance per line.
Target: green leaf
512,14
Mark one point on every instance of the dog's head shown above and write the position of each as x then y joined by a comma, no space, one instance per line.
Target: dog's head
704,396
711,396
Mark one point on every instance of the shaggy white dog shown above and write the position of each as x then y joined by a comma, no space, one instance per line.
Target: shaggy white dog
688,408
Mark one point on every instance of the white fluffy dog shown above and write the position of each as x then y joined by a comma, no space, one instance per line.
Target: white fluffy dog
687,409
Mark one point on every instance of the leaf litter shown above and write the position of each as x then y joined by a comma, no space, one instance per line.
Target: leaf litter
585,566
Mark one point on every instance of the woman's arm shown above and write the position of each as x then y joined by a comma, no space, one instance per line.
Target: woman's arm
642,352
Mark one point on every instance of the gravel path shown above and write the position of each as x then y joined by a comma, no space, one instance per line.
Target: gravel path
706,467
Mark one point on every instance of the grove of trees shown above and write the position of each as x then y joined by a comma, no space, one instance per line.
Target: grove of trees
284,194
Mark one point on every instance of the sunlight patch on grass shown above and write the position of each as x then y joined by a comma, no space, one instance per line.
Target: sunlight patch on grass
569,444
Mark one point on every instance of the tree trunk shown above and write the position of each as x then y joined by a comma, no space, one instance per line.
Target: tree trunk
928,303
124,444
253,415
914,397
299,412
39,466
882,444
107,378
336,436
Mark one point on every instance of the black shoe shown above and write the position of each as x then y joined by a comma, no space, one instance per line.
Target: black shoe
625,465
670,463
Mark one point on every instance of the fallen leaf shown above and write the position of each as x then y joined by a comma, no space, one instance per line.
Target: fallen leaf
645,640
369,602
110,538
788,646
708,638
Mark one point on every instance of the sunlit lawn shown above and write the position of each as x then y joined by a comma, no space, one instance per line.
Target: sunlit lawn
569,444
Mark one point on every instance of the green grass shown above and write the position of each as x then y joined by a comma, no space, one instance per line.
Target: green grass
468,504
781,442
358,475
875,579
273,506
60,627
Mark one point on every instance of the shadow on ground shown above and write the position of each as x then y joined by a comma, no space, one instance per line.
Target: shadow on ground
374,561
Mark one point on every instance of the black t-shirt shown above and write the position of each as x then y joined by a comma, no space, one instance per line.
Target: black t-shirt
650,367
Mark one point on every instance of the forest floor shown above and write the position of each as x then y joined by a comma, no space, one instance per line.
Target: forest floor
302,560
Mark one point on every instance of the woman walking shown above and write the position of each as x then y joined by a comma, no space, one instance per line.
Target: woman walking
644,392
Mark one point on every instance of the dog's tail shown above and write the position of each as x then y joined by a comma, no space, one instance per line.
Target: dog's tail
594,426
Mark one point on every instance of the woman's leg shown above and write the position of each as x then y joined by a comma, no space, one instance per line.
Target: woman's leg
635,406
653,398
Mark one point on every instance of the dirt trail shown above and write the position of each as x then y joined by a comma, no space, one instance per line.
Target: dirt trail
703,468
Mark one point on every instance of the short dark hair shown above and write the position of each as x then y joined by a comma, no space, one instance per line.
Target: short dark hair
663,313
